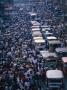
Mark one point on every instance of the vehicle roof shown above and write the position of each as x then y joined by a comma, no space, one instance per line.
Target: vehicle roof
64,49
35,26
47,54
37,38
51,38
64,59
53,74
54,42
35,23
39,41
36,29
32,13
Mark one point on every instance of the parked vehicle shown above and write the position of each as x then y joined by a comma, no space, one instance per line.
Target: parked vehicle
55,79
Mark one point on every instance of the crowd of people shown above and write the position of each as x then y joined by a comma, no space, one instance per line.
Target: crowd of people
21,66
18,55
